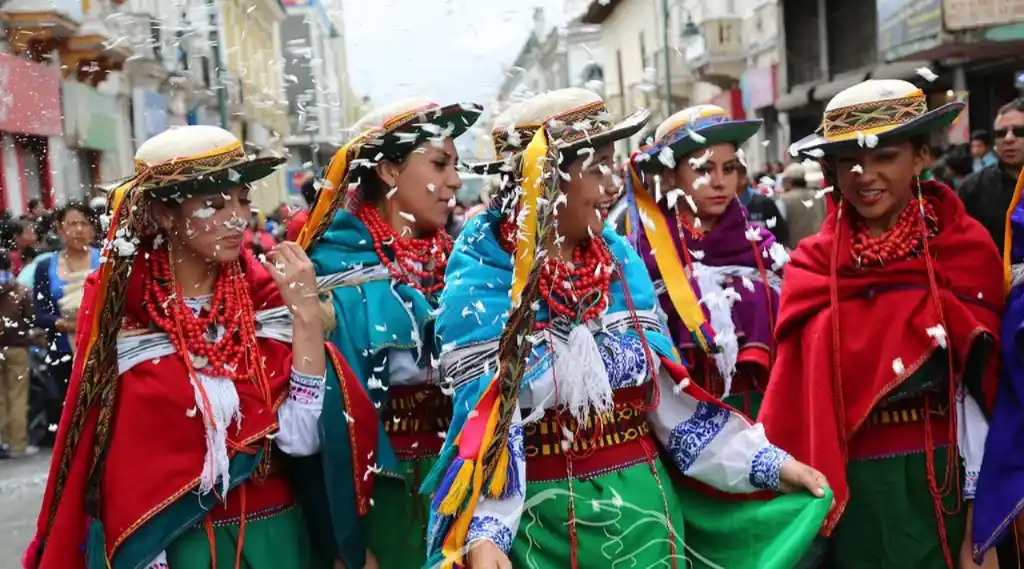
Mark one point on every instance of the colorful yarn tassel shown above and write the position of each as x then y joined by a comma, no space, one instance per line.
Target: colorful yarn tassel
96,546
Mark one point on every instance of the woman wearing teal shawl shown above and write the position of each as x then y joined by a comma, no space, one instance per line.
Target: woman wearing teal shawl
572,409
376,237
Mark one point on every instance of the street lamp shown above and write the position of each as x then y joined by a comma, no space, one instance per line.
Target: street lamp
690,30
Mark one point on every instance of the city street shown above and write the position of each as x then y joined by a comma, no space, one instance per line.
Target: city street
21,489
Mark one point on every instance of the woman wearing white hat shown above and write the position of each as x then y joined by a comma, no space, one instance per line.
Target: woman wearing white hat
692,220
196,367
886,328
560,396
376,237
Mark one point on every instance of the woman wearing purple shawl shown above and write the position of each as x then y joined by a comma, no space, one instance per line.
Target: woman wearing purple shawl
692,172
999,499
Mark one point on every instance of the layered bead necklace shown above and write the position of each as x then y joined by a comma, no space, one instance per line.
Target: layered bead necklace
419,263
564,286
902,240
195,335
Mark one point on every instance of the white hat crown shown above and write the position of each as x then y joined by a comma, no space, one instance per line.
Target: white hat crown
872,91
688,116
183,142
380,116
541,108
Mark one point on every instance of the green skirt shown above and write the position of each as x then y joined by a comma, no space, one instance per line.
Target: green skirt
278,542
747,403
636,518
889,522
396,527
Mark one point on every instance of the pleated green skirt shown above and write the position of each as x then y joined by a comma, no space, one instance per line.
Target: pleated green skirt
890,521
278,542
396,525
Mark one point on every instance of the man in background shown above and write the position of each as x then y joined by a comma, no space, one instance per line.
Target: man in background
804,213
16,312
986,194
981,151
761,209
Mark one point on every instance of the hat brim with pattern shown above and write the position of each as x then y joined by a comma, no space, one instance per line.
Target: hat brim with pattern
688,141
571,143
205,176
931,121
404,133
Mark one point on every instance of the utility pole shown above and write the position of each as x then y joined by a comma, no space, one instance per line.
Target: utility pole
668,59
222,92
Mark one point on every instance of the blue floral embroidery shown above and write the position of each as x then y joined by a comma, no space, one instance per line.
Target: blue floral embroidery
624,358
765,468
690,437
970,484
491,528
515,442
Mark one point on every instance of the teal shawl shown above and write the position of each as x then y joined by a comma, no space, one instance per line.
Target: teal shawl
474,310
372,314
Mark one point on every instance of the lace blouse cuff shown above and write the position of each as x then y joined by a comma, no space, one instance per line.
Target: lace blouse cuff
766,468
307,390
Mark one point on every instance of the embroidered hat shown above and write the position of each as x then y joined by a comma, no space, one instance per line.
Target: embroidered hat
194,159
890,109
385,132
691,129
575,117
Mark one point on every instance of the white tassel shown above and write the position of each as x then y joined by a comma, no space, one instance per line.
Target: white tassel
583,382
226,408
719,303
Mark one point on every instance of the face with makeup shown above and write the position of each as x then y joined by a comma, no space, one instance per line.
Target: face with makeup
209,226
711,176
420,190
590,192
879,182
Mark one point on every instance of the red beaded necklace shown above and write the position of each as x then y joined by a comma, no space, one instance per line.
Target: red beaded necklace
566,286
192,335
902,240
419,263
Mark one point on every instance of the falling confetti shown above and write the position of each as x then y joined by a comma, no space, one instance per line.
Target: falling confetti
927,74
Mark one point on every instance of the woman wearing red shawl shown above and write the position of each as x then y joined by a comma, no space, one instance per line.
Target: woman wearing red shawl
198,369
886,327
694,166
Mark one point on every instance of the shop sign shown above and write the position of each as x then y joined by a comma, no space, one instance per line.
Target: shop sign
760,87
906,27
29,97
969,14
90,118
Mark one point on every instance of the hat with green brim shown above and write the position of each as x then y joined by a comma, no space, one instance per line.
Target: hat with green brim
876,112
395,130
578,116
690,130
195,159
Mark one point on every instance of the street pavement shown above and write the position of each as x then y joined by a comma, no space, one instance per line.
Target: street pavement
22,482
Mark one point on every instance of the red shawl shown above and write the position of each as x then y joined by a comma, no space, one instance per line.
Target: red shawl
156,449
875,327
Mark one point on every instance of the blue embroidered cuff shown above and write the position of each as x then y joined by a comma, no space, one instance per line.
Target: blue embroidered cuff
766,466
306,389
491,529
970,484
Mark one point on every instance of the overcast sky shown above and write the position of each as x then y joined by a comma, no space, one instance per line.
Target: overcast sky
447,50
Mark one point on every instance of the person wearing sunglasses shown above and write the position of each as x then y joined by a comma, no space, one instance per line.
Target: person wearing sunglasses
987,193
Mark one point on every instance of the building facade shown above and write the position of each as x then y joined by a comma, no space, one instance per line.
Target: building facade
975,49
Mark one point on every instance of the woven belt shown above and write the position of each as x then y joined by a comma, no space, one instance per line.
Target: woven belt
614,441
416,420
911,411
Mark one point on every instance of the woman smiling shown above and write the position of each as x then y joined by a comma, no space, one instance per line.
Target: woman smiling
886,327
376,236
563,396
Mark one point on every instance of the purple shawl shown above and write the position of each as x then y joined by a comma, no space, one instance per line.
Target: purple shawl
1000,493
725,244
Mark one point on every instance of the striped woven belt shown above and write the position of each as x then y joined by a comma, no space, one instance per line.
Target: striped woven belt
416,420
911,411
626,423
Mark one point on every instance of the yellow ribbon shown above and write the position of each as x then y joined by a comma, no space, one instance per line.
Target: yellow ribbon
533,184
337,172
684,300
1008,235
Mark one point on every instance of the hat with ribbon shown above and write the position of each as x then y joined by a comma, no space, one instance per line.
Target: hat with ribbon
195,159
886,110
689,130
387,132
576,118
